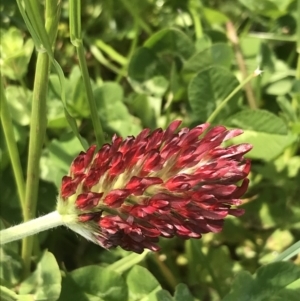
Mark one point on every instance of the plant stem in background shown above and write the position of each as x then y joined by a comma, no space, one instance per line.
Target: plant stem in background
132,49
89,92
7,126
168,106
231,33
42,35
76,39
289,253
112,53
38,123
272,36
193,5
7,294
219,108
105,62
128,262
205,263
165,271
296,99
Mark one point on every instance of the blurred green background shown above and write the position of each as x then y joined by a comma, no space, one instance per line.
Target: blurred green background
151,62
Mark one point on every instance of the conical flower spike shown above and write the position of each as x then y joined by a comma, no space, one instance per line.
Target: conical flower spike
164,183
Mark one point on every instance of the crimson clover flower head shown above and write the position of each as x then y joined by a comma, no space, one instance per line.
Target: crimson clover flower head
163,183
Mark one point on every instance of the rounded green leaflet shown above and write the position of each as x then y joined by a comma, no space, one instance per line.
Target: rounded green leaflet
147,73
149,69
208,88
99,282
219,54
267,133
45,282
171,40
141,283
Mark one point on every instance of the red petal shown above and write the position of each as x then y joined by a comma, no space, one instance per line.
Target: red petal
138,185
117,164
152,161
126,145
93,177
155,139
102,156
236,212
233,133
116,197
193,135
178,183
86,201
82,161
69,185
171,129
241,190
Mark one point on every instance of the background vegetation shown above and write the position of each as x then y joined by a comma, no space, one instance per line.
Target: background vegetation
150,62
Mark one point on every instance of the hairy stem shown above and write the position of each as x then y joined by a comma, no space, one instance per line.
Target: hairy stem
34,226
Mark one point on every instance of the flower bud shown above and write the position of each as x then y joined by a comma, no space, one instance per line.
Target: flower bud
159,184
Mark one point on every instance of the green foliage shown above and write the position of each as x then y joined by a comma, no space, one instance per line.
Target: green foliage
113,112
95,283
11,266
15,54
271,282
208,88
151,62
265,131
139,288
45,282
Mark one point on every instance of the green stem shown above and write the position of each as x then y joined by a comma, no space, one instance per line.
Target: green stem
34,226
296,99
38,124
168,107
132,49
37,133
12,145
7,294
166,272
271,36
233,37
105,62
290,252
196,19
52,15
32,15
219,108
205,262
134,42
90,96
298,28
76,39
127,262
113,54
